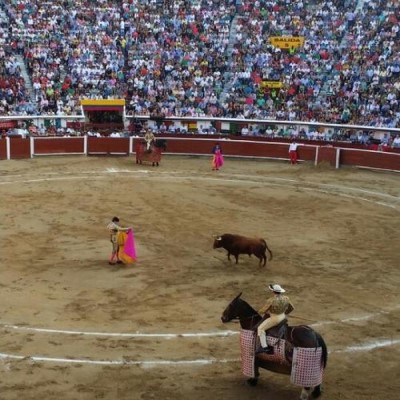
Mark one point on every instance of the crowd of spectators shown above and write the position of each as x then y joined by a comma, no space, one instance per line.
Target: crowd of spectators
347,71
13,93
205,58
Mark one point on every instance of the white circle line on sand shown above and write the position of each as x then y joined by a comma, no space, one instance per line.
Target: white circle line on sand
377,344
315,187
236,177
144,363
153,363
126,335
312,189
180,335
357,318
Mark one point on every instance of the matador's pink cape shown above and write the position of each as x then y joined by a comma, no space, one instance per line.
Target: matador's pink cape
130,248
127,251
218,160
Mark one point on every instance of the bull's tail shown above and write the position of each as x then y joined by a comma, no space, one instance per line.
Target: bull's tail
267,248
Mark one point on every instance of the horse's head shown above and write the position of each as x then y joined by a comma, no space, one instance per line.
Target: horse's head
231,312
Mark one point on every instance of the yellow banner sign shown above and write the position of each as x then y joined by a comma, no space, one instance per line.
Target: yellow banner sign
287,42
271,84
102,102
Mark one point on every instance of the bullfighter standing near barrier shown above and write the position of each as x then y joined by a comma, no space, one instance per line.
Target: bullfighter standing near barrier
218,158
293,152
278,307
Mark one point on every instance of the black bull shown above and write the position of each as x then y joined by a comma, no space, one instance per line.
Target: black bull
236,244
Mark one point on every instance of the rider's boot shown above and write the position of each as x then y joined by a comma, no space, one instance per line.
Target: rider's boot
264,348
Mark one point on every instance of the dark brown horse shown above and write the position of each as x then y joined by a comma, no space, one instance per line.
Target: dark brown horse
297,336
153,155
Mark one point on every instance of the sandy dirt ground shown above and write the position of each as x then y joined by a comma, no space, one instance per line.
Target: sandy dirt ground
74,327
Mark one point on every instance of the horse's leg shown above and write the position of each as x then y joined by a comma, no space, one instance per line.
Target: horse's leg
316,392
265,259
305,393
229,256
254,381
237,258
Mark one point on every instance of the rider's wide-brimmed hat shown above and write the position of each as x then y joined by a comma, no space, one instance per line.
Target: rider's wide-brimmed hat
277,288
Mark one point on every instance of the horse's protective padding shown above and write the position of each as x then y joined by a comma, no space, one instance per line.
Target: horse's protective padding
154,156
248,341
279,350
307,368
306,371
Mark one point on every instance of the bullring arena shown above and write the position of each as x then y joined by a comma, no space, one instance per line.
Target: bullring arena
74,327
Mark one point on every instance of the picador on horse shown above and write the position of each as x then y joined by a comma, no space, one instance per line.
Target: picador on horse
270,343
149,149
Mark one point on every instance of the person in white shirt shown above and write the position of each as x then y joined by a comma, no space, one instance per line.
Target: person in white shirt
245,131
293,152
396,142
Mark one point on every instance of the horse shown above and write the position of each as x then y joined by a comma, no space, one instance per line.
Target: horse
152,155
297,336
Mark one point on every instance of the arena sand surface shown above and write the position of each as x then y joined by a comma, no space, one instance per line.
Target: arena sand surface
335,239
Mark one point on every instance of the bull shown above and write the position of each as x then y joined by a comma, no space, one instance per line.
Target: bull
236,244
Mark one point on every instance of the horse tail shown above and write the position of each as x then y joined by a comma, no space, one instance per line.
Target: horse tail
267,248
321,342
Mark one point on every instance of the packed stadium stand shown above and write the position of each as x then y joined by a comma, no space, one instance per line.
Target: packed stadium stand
204,58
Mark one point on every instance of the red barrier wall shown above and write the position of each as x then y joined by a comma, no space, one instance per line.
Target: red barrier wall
58,145
20,148
193,144
240,148
107,145
370,159
327,154
3,149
